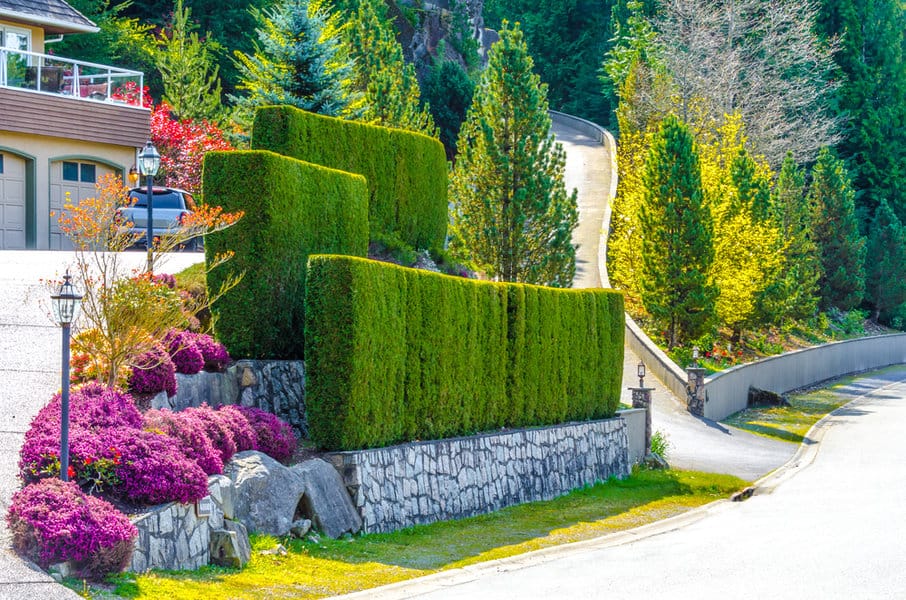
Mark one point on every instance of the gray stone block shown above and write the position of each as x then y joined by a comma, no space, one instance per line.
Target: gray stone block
267,494
326,501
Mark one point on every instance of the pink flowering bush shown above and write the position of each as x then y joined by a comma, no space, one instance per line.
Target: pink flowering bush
217,429
53,521
92,405
184,352
275,436
153,372
244,435
215,354
190,431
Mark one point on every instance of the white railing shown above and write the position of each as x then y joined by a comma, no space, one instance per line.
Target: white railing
67,77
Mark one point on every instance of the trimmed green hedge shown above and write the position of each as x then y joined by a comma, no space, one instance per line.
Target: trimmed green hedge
406,171
292,209
396,354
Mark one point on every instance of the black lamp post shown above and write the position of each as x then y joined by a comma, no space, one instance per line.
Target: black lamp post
65,307
641,373
148,164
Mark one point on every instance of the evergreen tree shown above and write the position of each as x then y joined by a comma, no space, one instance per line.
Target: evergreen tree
753,188
885,265
794,292
448,92
512,216
677,231
836,230
191,85
872,35
387,84
297,61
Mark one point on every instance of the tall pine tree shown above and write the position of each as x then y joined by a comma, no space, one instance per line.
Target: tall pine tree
387,87
677,233
885,265
512,216
297,61
836,231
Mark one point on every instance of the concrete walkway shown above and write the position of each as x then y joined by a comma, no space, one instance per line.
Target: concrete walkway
696,443
30,356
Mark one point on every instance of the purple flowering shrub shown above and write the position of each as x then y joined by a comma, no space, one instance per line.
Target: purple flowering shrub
215,354
190,431
217,429
54,521
153,372
244,435
184,352
275,436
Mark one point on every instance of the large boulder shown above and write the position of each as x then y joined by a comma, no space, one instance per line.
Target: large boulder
266,494
230,546
326,501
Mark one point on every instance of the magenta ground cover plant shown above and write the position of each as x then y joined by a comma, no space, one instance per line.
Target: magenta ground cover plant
54,521
275,436
153,372
184,352
217,428
244,435
190,431
215,354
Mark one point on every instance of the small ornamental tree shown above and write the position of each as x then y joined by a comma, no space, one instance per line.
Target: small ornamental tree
512,216
677,232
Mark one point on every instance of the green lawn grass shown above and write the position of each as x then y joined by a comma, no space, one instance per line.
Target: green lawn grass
791,423
330,567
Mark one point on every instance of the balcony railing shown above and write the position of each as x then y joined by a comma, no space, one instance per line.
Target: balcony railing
67,77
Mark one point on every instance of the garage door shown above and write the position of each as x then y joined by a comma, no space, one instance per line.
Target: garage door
12,202
78,178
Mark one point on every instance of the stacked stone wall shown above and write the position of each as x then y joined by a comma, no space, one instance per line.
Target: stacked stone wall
424,482
171,536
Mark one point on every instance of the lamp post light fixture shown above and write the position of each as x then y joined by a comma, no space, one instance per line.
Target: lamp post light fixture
641,373
133,175
695,356
65,305
148,164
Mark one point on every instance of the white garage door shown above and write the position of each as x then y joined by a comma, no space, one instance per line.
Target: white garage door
78,177
12,202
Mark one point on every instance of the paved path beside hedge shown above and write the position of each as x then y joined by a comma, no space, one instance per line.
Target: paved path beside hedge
696,443
30,374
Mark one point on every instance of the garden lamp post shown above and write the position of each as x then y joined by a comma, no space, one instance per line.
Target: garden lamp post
148,164
65,305
640,370
695,356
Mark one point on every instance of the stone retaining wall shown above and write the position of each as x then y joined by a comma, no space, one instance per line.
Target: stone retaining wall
424,482
170,536
277,386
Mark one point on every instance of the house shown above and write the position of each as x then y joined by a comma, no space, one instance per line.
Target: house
63,122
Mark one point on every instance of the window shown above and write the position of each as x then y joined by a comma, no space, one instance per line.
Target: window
83,172
15,38
1,164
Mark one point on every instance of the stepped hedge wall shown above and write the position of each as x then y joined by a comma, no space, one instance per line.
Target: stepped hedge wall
406,171
292,209
396,354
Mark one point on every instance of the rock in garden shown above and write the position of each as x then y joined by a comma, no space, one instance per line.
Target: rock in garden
230,546
655,461
326,501
300,528
267,494
759,397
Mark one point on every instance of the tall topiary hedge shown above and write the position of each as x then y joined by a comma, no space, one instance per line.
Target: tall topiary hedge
406,171
292,209
397,354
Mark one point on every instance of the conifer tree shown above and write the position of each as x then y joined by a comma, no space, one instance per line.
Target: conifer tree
753,189
297,61
448,92
836,231
794,292
388,88
187,69
885,265
677,232
512,216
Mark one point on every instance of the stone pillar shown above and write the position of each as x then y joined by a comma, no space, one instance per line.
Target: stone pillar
695,391
641,398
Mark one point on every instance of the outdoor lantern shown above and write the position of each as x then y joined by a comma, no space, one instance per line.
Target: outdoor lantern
695,355
149,160
133,175
65,307
641,372
149,163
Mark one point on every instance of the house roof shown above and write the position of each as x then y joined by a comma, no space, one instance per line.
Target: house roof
55,16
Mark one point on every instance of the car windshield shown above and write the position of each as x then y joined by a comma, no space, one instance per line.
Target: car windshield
162,199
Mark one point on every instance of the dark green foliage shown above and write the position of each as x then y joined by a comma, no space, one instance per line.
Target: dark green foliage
754,192
885,263
448,91
677,233
396,354
836,232
406,171
292,209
